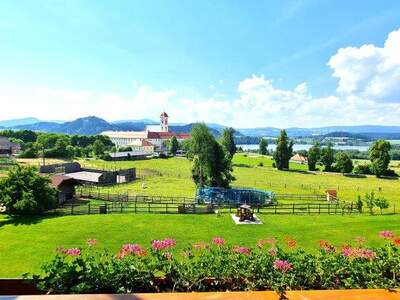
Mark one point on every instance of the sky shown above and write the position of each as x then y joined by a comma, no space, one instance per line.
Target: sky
295,63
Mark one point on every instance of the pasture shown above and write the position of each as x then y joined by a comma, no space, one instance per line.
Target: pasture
250,171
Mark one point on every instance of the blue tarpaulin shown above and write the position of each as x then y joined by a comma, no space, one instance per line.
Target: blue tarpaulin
216,195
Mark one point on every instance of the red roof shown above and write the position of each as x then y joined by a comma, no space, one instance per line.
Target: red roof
146,143
164,114
56,180
168,135
298,157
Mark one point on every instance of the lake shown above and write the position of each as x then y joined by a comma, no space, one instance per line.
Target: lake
297,147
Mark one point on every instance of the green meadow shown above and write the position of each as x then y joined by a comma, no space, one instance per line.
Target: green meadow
28,242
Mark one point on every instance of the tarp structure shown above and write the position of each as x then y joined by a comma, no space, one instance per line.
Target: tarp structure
216,195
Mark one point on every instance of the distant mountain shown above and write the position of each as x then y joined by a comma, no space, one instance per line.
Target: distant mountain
140,121
88,125
17,122
188,128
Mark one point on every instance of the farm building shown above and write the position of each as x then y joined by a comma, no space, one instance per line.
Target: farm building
129,155
8,148
90,176
299,159
65,186
234,196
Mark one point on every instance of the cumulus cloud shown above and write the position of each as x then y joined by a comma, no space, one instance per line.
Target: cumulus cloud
368,92
369,71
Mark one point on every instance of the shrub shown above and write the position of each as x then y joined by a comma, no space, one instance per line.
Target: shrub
217,266
364,169
24,191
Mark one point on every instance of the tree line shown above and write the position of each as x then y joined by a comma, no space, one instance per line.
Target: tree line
54,145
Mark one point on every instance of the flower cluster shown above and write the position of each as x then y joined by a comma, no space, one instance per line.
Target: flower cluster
163,244
72,252
290,243
128,249
351,252
386,234
283,265
218,241
241,249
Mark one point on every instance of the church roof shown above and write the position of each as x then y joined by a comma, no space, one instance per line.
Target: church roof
164,114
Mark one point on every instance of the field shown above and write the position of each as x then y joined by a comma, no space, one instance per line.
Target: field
28,242
25,243
176,181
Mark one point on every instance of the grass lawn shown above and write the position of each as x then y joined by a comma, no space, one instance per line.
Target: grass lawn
176,179
25,243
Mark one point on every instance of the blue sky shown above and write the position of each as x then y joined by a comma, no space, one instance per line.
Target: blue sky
200,60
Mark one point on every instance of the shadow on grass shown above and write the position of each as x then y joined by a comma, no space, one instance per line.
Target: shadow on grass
28,219
355,175
241,165
300,171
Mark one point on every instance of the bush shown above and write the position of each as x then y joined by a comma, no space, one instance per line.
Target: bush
261,164
24,191
364,169
216,266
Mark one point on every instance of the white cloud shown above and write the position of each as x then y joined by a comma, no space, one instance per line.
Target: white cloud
369,71
368,92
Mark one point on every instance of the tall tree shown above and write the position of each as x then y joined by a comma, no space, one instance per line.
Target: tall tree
228,141
283,152
313,156
173,145
263,147
380,157
212,166
328,157
343,163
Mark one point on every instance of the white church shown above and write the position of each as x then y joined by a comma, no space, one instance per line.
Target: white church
149,141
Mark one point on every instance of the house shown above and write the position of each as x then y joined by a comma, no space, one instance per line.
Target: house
142,146
65,186
298,159
8,148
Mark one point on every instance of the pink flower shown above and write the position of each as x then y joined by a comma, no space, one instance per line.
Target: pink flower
350,252
218,241
200,245
386,234
128,249
241,249
91,242
73,252
283,265
163,244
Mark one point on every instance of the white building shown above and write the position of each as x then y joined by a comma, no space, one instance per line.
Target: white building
153,135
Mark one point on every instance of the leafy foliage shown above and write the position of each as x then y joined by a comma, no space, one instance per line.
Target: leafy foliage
228,141
216,266
283,152
173,146
263,146
24,191
380,157
343,163
313,157
327,157
212,166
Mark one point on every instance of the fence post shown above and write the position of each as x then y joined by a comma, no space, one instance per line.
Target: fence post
308,207
166,207
88,208
319,208
72,208
329,209
149,207
293,209
108,196
275,207
351,208
122,208
135,206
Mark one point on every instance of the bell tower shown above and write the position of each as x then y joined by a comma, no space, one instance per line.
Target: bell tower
164,122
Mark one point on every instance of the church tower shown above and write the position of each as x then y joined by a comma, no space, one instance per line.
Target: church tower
164,122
